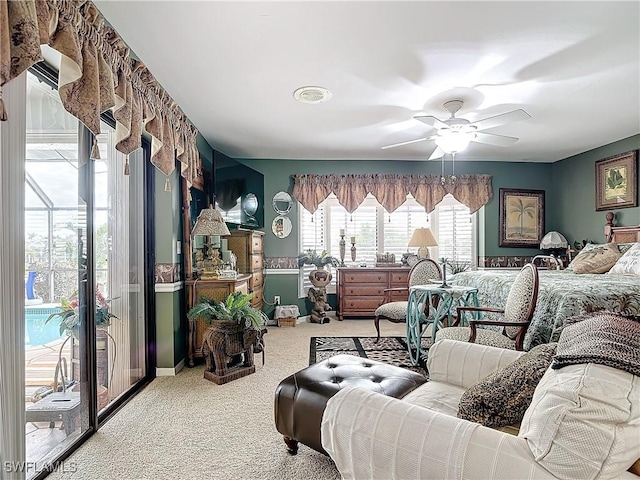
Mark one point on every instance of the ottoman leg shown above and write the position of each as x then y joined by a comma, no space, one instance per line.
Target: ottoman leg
292,445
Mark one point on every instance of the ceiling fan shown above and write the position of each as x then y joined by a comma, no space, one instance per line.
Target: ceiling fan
454,134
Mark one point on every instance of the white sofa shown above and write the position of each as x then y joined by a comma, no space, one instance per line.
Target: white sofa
372,436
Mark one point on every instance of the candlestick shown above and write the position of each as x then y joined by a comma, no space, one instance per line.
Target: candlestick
342,248
353,249
444,275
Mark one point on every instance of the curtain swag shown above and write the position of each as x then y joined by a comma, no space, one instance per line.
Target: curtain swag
97,74
391,191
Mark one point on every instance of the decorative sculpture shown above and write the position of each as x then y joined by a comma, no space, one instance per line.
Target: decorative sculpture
320,306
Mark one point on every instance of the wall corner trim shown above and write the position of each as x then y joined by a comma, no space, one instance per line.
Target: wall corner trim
170,372
168,287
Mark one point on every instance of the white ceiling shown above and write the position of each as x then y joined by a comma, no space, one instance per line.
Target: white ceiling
233,67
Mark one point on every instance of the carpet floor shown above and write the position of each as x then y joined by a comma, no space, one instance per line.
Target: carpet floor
186,427
390,350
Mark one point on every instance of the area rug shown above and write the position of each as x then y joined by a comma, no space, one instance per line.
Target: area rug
391,350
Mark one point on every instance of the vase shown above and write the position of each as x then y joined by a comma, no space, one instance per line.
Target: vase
320,277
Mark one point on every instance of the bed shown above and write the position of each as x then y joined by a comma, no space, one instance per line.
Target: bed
562,293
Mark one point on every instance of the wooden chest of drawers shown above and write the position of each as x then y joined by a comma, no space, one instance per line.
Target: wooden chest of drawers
248,246
361,290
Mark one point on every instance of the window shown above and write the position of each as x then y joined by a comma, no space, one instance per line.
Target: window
375,231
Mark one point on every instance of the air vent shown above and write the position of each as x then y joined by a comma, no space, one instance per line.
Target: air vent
312,94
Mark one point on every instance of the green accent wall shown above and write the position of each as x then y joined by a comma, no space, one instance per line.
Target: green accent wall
171,324
573,209
277,176
569,187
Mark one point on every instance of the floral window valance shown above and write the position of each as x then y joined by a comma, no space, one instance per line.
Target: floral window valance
391,191
96,74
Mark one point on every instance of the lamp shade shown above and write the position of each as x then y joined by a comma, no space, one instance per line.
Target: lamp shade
423,238
553,239
210,222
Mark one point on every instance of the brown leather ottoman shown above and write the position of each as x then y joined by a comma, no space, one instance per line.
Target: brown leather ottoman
302,397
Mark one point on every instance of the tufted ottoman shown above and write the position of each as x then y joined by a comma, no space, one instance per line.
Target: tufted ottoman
301,398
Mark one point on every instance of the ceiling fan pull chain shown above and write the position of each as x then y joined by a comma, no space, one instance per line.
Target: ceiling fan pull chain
453,168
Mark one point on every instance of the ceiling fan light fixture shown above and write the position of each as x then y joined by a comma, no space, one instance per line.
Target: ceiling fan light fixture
453,142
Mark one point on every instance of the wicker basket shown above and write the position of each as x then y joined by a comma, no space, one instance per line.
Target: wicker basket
287,322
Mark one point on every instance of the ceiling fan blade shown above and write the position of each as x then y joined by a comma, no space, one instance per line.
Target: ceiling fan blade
493,139
408,142
431,121
437,153
502,119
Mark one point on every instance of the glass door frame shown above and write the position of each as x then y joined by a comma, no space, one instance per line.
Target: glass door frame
91,419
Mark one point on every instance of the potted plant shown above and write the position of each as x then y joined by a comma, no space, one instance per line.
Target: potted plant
234,334
69,322
236,309
320,277
312,257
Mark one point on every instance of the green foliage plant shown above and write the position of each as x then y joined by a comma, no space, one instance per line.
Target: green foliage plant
312,257
235,308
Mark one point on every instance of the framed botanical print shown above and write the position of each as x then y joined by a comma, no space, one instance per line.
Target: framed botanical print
521,217
617,181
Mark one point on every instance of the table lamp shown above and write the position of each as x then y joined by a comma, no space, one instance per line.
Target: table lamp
423,239
555,242
210,223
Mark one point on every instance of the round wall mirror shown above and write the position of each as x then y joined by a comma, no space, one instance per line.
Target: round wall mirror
281,226
282,203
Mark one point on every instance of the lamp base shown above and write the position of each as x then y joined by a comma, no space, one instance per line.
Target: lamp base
423,253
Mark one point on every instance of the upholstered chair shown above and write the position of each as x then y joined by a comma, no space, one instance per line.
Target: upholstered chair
516,316
423,272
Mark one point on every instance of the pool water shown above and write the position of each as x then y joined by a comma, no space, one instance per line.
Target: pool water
37,332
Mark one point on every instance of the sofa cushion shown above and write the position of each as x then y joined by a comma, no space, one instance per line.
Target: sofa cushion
584,421
436,396
598,259
501,398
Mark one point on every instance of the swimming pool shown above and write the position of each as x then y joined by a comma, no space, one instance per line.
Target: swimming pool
37,332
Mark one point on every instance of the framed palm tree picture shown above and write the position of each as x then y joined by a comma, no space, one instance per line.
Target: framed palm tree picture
521,217
616,181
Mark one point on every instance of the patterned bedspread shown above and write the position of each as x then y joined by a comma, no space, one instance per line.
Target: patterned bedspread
562,294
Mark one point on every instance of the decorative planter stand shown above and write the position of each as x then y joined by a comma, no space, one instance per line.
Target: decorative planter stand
228,350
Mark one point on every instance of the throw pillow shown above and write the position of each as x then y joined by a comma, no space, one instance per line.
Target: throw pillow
584,422
629,263
501,398
596,260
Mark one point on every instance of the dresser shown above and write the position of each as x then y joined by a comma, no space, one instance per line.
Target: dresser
248,246
217,290
360,290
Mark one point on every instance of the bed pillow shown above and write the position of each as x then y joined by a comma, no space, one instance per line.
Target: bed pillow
598,259
629,263
501,398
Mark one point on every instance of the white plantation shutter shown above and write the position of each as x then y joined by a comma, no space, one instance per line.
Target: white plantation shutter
312,237
399,226
455,231
377,231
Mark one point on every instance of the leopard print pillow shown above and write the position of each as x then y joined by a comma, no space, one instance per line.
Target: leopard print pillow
501,398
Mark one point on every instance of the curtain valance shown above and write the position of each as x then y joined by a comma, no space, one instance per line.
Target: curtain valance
390,190
96,74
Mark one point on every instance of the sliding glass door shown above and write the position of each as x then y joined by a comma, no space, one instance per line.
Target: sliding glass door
85,279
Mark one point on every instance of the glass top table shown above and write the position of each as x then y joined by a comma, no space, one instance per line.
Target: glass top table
435,305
